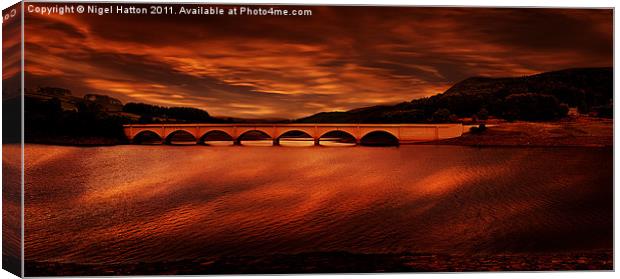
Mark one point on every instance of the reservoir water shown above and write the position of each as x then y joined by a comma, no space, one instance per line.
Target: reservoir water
126,204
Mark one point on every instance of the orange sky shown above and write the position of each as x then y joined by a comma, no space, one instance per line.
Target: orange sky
286,67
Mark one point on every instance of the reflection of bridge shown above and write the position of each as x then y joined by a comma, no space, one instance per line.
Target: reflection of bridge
404,133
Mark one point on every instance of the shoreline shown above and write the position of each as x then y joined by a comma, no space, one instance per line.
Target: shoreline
76,142
429,143
577,131
447,142
337,262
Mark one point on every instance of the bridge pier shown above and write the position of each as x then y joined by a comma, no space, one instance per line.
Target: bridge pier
317,142
276,142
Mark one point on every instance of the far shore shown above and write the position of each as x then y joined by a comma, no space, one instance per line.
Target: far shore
77,142
572,131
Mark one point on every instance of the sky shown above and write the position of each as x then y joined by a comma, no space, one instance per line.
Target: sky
339,58
11,55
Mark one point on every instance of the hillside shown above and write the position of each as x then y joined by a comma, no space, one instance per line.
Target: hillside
374,114
550,93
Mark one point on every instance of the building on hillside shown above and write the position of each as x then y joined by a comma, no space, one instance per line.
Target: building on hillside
67,100
107,103
54,92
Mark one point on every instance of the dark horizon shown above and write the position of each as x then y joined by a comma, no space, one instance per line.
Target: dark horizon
276,119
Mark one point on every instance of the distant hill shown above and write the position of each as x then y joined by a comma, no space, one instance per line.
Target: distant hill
594,84
536,97
400,113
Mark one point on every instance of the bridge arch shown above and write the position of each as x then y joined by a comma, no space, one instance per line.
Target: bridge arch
379,138
253,134
339,136
145,136
244,129
294,133
306,130
386,131
184,134
215,134
170,132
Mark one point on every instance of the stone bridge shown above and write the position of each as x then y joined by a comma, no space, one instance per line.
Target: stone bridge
404,133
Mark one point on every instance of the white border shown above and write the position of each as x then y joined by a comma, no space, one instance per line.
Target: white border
481,3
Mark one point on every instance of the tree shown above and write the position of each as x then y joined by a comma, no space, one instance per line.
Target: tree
483,114
442,115
180,114
563,110
529,106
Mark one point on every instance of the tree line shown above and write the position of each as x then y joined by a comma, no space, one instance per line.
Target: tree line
48,122
155,114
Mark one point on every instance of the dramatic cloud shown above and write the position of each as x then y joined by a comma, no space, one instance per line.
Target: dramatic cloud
11,53
285,67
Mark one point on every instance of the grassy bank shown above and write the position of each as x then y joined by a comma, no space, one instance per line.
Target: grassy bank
573,131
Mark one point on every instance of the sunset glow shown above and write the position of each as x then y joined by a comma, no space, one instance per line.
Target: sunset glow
339,58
